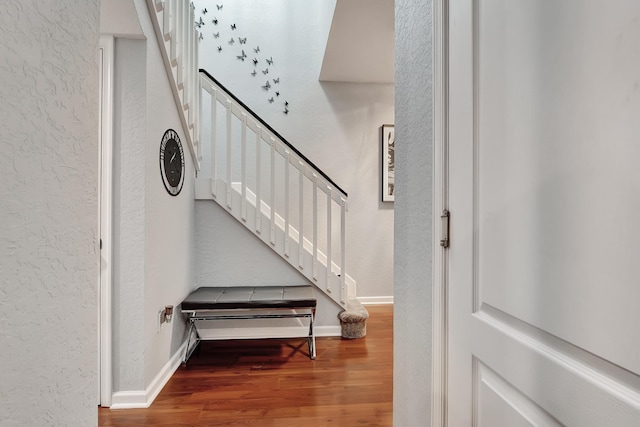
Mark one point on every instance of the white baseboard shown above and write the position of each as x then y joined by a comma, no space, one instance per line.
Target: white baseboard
129,399
376,300
328,331
144,398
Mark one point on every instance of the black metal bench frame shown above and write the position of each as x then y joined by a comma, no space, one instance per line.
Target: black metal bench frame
275,301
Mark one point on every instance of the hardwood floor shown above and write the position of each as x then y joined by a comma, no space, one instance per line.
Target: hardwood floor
274,383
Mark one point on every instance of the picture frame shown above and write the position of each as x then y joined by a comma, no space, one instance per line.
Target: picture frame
387,157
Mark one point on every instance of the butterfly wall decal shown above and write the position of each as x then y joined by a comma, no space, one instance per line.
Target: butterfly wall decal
253,73
270,61
214,21
255,61
257,49
277,93
216,35
219,48
286,110
276,81
265,71
200,36
242,57
219,6
199,23
242,40
270,100
233,26
232,40
267,86
204,11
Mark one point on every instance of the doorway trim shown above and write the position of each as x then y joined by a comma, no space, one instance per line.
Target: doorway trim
105,210
440,204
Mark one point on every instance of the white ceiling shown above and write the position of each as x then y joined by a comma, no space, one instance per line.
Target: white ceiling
360,47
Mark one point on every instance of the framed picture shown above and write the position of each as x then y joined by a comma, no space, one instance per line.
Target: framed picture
388,164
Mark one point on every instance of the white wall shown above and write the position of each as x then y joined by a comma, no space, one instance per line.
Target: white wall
336,125
129,214
413,219
49,214
227,254
169,220
153,231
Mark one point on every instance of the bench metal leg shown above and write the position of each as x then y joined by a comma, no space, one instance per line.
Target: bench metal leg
312,336
192,329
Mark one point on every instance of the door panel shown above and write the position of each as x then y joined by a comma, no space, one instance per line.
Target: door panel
544,135
499,403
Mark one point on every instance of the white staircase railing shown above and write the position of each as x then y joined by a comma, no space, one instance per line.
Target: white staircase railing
254,173
273,190
173,21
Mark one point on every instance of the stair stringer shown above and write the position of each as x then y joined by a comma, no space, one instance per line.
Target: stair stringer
329,284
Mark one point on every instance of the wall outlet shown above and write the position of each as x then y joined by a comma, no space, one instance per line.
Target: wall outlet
165,315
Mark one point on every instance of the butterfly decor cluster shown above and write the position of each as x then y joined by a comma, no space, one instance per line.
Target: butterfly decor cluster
212,22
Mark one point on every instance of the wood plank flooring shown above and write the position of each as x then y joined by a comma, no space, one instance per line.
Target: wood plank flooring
274,383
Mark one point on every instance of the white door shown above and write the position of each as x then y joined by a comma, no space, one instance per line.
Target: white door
544,194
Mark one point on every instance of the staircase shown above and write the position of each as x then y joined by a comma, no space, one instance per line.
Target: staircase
250,170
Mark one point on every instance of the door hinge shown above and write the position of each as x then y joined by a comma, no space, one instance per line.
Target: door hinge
444,218
100,243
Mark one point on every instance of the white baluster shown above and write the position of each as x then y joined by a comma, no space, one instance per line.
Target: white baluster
178,39
343,250
173,35
199,96
258,180
169,9
315,227
229,108
272,142
214,142
329,201
301,216
243,166
186,52
286,203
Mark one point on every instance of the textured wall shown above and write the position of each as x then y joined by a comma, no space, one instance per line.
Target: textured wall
169,220
153,231
129,214
413,217
48,211
336,125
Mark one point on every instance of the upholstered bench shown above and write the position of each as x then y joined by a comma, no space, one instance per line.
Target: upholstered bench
248,302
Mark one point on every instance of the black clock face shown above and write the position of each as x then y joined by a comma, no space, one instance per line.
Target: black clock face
172,162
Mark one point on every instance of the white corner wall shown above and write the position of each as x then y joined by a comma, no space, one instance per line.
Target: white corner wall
153,231
169,221
336,125
413,219
48,209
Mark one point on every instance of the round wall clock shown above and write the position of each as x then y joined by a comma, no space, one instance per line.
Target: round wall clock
172,162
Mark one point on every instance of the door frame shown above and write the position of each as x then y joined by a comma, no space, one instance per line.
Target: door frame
105,192
439,327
